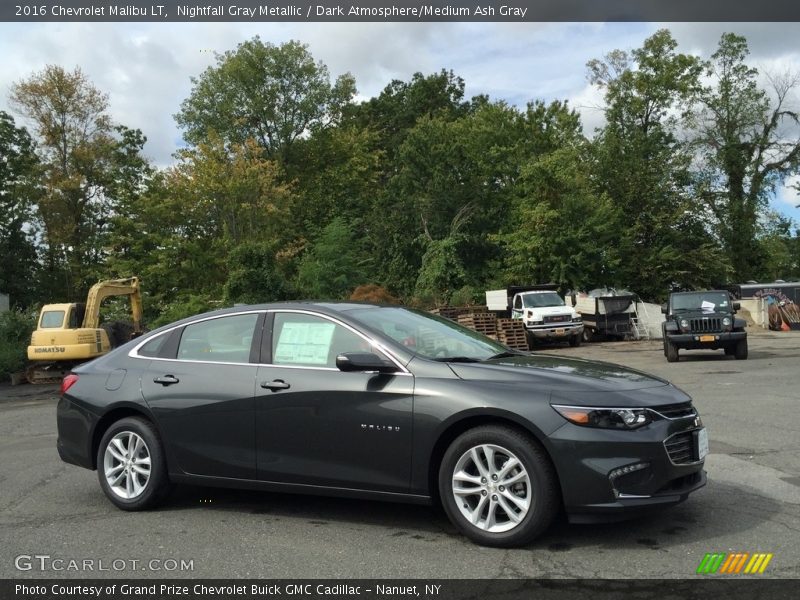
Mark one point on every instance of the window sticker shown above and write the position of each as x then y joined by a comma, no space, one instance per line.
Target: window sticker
304,343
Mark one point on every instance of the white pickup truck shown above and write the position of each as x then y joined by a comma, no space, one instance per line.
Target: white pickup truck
544,313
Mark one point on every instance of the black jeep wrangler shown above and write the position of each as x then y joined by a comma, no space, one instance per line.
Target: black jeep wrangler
703,320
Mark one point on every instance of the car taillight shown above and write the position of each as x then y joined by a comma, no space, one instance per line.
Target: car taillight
68,382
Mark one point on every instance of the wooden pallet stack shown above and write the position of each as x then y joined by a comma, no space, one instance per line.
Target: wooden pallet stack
511,333
482,322
453,312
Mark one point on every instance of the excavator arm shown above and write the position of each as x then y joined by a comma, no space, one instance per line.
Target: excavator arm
113,287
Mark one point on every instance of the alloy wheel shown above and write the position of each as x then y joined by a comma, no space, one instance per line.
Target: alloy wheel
492,488
126,464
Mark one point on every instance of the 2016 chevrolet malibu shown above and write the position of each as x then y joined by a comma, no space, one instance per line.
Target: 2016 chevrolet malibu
379,402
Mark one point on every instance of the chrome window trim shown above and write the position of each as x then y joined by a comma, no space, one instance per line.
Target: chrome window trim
134,352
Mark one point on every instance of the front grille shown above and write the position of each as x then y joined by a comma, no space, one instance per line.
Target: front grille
680,448
706,324
558,319
676,411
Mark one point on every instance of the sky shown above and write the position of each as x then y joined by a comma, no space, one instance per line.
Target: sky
146,67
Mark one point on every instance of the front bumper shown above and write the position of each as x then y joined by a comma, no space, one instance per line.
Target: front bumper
588,461
558,330
691,341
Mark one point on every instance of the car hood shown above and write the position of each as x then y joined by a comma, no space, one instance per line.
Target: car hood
559,374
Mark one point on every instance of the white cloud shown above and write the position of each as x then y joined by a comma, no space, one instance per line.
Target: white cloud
789,192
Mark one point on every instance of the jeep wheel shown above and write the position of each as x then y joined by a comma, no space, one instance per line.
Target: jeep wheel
741,350
671,351
730,350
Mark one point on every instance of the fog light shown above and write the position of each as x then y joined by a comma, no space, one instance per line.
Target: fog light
627,469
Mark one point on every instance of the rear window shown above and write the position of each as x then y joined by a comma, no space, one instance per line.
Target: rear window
52,319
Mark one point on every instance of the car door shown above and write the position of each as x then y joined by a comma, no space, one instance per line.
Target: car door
320,426
202,397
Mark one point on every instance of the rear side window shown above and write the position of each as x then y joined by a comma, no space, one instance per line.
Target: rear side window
52,319
227,339
154,346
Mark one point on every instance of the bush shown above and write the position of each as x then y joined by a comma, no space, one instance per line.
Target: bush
15,335
373,293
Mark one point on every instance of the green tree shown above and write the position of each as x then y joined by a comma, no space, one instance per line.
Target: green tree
19,190
87,161
334,266
272,94
748,145
644,168
254,275
563,231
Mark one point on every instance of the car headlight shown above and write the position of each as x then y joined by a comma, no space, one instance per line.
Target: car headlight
605,418
726,321
684,324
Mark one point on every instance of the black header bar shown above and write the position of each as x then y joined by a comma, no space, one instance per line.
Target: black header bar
399,10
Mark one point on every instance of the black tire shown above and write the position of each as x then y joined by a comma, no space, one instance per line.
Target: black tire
588,334
741,350
543,492
730,350
671,351
157,487
575,340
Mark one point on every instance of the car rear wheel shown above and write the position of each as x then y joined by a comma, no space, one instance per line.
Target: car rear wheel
741,350
498,487
671,351
131,466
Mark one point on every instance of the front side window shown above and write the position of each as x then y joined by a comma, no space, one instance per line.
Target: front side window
52,319
428,335
309,341
226,339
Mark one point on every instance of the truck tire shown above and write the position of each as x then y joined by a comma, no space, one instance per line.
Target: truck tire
575,340
588,334
741,350
671,351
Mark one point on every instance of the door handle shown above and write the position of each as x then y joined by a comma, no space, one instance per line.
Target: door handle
166,380
278,384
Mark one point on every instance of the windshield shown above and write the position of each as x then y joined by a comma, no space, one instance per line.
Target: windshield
705,301
52,319
541,300
428,335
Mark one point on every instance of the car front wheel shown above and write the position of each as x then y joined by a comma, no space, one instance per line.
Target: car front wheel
131,466
498,486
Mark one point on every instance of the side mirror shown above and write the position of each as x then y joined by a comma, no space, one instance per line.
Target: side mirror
364,361
664,309
736,306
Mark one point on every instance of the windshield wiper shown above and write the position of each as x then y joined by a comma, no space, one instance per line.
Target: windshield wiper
461,359
507,354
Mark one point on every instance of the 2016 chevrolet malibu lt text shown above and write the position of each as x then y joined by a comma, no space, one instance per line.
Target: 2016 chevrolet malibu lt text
379,402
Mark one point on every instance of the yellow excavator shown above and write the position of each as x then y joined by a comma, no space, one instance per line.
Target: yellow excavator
68,334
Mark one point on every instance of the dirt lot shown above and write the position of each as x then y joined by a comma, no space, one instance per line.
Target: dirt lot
752,501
